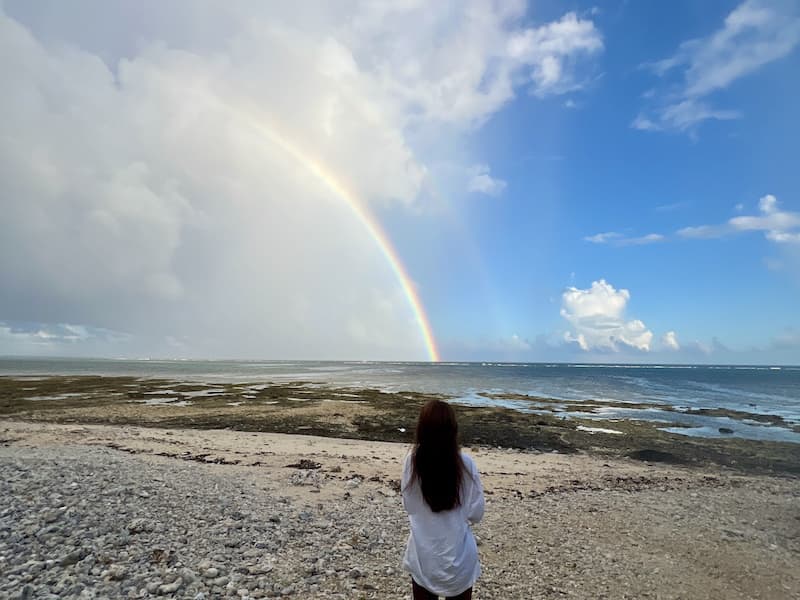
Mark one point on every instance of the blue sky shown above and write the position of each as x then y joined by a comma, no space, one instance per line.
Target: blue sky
561,181
572,173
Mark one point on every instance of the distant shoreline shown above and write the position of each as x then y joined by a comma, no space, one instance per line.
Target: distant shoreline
20,357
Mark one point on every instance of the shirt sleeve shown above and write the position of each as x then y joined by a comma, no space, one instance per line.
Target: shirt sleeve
476,504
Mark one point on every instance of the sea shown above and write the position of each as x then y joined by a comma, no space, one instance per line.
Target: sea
761,390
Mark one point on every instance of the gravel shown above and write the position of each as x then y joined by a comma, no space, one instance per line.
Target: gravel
93,522
197,533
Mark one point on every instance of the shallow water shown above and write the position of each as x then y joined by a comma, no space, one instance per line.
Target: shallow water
765,390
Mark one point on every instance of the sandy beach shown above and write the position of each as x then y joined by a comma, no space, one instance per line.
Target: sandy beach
97,511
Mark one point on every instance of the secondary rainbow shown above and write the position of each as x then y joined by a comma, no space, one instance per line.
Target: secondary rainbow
364,217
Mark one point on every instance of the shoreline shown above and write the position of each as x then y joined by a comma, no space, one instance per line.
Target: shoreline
138,512
369,414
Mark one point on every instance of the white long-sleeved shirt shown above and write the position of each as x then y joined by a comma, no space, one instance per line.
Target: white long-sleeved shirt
441,554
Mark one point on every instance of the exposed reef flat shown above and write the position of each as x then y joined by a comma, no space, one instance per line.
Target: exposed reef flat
370,414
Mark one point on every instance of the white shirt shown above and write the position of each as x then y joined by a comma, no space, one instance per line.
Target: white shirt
441,553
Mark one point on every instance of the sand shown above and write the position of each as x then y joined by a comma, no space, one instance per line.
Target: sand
557,525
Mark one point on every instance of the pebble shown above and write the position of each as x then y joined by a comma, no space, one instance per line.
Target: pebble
169,588
206,532
141,526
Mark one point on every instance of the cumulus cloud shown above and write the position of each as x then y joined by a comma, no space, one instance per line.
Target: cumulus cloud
551,50
782,227
516,343
755,33
481,181
598,319
177,174
670,341
460,64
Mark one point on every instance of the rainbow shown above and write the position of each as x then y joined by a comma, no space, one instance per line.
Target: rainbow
357,207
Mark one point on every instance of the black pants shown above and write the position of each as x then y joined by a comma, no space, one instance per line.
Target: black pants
420,593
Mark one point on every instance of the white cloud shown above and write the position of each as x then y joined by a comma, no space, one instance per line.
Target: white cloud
768,204
482,182
598,320
650,238
460,64
59,338
151,168
550,51
163,175
602,238
617,239
516,343
779,226
683,115
702,231
670,341
643,123
754,34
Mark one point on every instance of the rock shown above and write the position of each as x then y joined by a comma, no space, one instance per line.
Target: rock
117,573
152,587
72,558
307,477
211,573
51,516
141,526
306,464
169,588
353,483
725,430
188,575
170,577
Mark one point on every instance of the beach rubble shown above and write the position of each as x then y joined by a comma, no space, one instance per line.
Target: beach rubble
100,513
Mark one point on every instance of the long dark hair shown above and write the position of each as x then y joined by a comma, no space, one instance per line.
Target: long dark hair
436,460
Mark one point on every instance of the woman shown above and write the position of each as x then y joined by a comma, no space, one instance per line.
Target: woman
442,494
